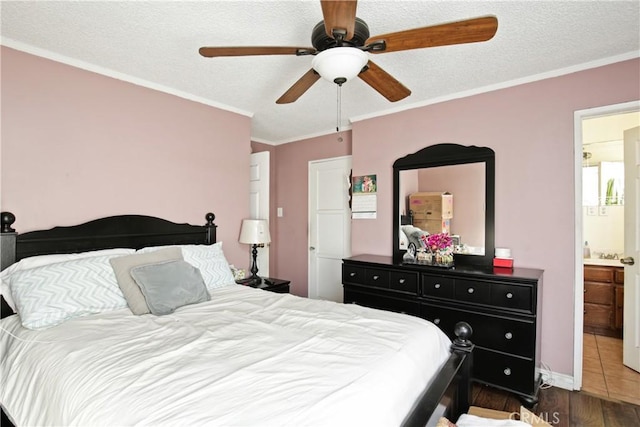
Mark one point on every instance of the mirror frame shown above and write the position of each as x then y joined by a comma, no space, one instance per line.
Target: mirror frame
447,155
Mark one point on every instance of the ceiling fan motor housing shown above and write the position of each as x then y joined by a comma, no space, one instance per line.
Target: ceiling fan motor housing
322,41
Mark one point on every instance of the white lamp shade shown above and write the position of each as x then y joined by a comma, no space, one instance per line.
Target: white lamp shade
339,63
254,232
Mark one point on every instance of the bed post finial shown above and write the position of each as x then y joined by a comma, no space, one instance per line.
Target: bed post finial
7,240
462,331
6,220
211,228
210,217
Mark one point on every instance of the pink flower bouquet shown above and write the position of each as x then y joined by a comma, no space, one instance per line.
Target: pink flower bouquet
439,242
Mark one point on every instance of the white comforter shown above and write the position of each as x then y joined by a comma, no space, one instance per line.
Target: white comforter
247,357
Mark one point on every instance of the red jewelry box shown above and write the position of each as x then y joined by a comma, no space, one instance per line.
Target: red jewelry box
503,262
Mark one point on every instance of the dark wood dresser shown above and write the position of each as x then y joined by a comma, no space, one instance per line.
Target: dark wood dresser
503,306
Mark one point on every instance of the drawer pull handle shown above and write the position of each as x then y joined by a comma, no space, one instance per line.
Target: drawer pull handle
471,290
352,274
509,295
437,286
508,335
376,277
401,281
436,321
507,371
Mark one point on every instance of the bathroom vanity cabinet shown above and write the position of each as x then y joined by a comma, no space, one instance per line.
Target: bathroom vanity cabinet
603,300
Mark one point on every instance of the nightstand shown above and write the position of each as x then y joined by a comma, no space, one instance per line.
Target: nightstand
268,284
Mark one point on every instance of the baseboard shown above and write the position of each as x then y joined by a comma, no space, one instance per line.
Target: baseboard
556,379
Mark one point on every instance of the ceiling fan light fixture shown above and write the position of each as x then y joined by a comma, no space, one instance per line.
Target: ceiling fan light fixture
339,64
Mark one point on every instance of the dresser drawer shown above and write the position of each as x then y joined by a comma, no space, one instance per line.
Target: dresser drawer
366,299
513,336
506,371
352,274
515,297
404,281
472,291
377,278
439,287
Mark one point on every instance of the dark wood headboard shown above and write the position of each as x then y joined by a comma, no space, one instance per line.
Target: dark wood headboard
121,231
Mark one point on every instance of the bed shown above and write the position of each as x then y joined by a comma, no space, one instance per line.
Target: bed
235,356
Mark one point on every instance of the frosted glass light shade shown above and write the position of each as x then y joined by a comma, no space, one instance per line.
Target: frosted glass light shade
339,64
254,232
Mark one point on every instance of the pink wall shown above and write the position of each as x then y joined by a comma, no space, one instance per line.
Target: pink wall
530,127
292,177
78,145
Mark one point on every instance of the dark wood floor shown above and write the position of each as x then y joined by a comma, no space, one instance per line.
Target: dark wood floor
564,408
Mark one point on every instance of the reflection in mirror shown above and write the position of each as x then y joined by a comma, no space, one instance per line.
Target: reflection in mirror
445,188
465,183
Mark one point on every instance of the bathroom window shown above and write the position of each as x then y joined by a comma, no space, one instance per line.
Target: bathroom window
603,185
612,183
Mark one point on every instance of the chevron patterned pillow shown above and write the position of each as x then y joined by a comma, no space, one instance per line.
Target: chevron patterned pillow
211,262
48,295
209,259
40,260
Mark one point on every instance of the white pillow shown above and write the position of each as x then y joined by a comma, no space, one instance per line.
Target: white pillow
48,295
209,259
40,260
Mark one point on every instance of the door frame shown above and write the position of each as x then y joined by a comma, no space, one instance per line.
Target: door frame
578,117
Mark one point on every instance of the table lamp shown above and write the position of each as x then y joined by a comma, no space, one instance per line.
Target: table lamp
254,232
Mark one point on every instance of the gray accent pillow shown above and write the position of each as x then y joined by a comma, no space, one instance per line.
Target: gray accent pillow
169,285
122,268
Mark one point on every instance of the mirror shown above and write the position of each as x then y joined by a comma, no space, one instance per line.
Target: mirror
450,188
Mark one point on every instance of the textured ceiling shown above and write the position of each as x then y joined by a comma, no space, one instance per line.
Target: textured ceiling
156,43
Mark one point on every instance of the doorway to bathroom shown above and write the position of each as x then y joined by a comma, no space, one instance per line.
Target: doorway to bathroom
600,203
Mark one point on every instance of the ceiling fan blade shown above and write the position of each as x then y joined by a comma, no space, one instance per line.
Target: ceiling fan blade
384,83
467,31
299,87
211,52
339,14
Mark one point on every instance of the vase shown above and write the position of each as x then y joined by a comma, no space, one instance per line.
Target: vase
442,258
423,257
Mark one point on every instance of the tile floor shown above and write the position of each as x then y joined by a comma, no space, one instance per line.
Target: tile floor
603,372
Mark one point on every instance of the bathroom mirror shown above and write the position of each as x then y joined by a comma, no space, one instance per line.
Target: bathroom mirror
467,175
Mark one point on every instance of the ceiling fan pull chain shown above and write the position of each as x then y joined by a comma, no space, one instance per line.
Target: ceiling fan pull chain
339,107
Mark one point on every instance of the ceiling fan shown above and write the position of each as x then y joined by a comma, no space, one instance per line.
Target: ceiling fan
341,42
